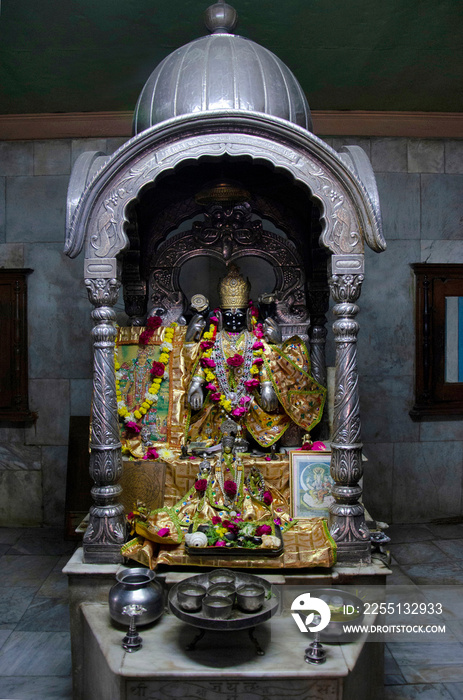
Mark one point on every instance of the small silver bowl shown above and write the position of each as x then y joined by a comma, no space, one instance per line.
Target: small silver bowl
221,576
223,590
190,596
217,607
250,597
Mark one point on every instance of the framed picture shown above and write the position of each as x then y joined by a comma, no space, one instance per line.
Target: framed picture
310,484
134,380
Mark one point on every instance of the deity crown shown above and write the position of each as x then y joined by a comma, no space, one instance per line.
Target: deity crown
234,290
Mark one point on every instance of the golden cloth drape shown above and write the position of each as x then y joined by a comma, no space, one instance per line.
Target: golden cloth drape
306,544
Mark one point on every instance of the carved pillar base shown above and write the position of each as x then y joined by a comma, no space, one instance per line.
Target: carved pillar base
354,552
347,515
105,533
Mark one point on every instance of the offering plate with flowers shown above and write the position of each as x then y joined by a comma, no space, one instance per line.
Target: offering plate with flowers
234,537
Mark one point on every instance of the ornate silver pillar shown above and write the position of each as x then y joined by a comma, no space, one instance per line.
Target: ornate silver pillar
318,306
347,519
105,533
317,335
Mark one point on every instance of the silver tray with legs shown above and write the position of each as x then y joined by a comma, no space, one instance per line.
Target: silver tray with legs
238,619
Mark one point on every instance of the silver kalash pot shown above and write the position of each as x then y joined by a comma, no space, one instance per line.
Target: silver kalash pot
136,587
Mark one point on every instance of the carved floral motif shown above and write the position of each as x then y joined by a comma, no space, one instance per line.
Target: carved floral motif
106,527
346,288
349,524
102,292
228,234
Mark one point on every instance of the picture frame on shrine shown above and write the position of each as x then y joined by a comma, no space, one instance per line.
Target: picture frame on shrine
134,380
310,484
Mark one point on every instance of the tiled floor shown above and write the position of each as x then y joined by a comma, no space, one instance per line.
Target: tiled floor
35,650
35,657
428,555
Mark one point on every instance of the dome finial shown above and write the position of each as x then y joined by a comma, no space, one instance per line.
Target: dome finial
220,18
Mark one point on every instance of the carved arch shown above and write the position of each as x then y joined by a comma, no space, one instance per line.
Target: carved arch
347,213
228,235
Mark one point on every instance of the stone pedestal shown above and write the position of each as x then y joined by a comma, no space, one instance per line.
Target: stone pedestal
224,665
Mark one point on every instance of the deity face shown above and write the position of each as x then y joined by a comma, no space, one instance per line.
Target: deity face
142,359
234,320
227,443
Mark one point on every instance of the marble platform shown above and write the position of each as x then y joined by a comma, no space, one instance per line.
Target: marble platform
223,666
89,584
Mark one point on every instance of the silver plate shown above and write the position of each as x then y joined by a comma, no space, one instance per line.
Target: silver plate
238,620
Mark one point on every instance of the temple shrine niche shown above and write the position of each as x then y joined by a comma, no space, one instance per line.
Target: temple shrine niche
223,228
225,224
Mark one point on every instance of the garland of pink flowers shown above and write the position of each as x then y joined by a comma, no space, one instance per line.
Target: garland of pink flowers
158,368
208,364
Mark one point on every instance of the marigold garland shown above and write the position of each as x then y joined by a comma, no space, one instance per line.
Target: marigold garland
206,361
157,371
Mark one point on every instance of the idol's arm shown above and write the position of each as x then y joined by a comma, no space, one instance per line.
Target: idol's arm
268,397
195,395
272,331
195,329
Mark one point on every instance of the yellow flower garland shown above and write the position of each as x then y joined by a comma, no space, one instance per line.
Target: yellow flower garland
153,390
210,375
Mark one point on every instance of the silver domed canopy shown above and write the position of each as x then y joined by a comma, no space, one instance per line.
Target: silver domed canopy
222,71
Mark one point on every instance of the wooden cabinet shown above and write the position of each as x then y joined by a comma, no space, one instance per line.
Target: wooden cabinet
439,342
14,400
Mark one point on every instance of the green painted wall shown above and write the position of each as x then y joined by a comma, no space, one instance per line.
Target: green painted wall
91,55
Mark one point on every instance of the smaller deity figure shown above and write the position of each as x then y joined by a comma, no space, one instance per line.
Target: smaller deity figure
319,486
317,492
135,378
223,490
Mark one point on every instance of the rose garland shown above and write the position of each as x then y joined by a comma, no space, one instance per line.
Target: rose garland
158,368
230,481
208,364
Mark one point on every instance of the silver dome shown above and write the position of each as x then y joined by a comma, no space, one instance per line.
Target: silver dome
221,72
